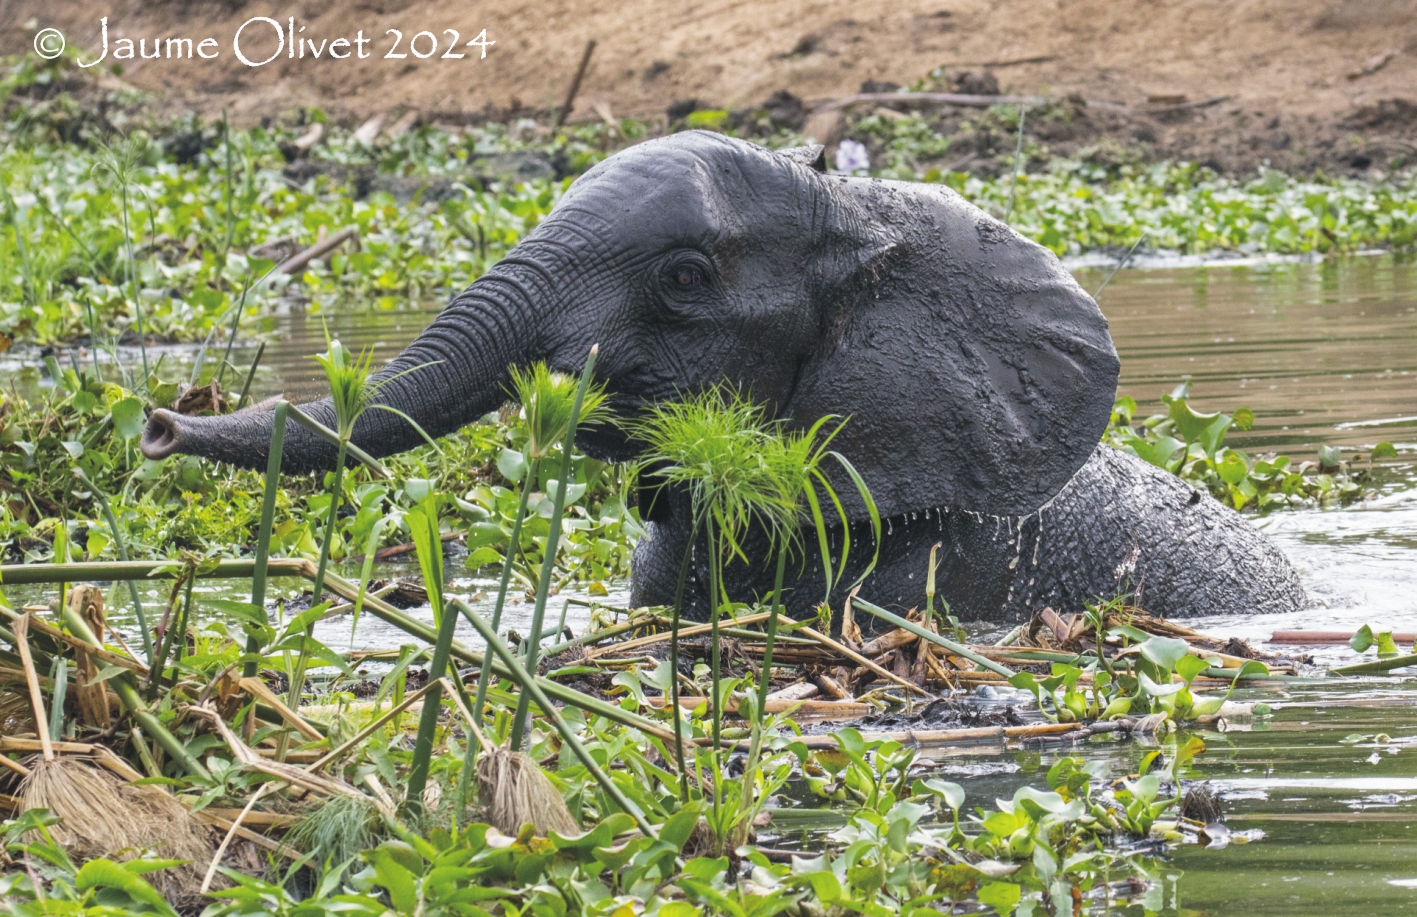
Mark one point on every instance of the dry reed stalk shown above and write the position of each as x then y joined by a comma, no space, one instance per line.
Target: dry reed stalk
296,776
75,643
93,700
257,688
41,720
230,833
652,639
260,840
859,659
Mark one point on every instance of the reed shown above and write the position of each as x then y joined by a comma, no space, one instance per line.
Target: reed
551,417
127,691
531,687
352,393
263,532
799,463
423,525
118,540
121,161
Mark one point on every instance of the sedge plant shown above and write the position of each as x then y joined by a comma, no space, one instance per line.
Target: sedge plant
547,399
552,418
741,470
423,526
353,394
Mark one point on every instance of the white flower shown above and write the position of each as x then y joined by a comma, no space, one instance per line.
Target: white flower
851,157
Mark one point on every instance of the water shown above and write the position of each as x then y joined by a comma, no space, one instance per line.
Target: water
1330,824
1323,354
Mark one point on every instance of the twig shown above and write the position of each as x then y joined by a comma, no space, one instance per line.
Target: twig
936,639
1186,106
290,853
230,833
369,730
858,658
565,110
697,629
257,688
1120,264
298,262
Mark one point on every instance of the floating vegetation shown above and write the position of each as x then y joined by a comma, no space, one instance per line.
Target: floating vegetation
1192,445
185,229
599,779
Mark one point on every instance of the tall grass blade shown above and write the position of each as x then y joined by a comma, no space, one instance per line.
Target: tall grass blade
548,564
250,375
484,677
263,533
531,689
112,521
423,524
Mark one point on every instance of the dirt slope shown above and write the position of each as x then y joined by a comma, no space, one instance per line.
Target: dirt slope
1292,69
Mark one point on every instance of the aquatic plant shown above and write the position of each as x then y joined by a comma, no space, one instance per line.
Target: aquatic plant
1191,445
553,406
81,275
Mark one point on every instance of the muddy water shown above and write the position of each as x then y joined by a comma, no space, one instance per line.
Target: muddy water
1323,353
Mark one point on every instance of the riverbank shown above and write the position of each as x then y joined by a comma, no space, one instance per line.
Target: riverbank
183,220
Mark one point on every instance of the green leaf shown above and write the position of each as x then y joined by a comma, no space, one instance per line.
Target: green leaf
1244,419
1190,424
1330,456
512,464
1361,640
103,873
951,793
1384,450
1003,897
128,417
394,877
680,826
1232,468
1157,690
825,885
1165,651
1190,666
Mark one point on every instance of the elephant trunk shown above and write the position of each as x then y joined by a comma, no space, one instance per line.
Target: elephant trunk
453,373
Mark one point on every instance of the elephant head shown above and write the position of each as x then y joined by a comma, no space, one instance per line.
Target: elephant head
974,372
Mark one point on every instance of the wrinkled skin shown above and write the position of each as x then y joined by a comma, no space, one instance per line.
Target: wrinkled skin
976,376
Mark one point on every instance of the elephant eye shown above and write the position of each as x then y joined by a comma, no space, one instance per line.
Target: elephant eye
685,279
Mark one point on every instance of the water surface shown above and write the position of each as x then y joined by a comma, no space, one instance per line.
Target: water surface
1323,354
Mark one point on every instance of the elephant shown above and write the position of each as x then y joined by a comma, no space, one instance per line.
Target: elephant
973,377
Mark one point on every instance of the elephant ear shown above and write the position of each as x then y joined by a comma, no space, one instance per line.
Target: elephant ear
813,156
974,373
